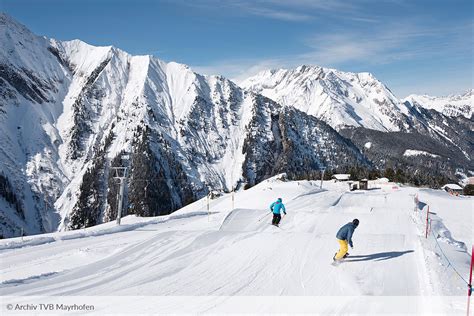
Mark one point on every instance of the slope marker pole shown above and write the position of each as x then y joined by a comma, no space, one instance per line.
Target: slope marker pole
322,176
469,291
208,212
233,192
427,213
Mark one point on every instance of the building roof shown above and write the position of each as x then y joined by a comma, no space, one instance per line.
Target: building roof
341,176
451,186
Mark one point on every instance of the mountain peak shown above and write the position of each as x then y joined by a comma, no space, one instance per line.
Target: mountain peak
468,93
8,25
6,19
306,68
339,98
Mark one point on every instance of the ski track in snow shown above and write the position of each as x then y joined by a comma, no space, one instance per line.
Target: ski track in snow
230,252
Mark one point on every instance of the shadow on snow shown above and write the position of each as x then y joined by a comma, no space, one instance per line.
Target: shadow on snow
378,256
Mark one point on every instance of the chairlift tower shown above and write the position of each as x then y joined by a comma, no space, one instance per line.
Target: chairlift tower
120,173
322,169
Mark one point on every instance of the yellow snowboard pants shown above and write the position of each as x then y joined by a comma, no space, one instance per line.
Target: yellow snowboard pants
342,249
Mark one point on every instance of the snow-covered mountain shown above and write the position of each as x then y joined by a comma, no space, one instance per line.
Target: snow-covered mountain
366,111
451,105
345,99
69,110
339,98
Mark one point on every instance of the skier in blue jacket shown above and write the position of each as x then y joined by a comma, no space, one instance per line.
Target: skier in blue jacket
275,208
344,237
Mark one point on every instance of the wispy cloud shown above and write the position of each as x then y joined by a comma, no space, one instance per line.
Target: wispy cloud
273,13
294,10
359,35
313,6
381,46
392,43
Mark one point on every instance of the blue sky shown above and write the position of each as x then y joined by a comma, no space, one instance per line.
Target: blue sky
412,46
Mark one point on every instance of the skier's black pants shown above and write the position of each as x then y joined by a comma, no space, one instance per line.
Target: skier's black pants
276,219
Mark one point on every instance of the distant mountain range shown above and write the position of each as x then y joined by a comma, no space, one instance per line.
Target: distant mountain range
69,111
345,99
452,105
383,127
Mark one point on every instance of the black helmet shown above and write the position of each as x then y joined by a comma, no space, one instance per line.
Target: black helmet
355,222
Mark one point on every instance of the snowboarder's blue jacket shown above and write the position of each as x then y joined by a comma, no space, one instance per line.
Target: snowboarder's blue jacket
277,206
345,233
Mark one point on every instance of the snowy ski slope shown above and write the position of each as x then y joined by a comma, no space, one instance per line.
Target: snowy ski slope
229,252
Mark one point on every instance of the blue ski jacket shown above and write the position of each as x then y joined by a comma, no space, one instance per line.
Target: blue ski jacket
277,206
345,233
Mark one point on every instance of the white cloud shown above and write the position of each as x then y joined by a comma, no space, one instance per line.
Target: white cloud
293,10
382,46
277,14
374,40
390,44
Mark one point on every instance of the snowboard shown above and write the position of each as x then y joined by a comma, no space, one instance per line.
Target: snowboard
338,262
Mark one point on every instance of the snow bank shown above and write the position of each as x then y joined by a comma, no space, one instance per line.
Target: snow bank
448,231
130,222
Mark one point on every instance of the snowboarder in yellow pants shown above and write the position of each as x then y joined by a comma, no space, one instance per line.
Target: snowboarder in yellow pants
343,248
344,237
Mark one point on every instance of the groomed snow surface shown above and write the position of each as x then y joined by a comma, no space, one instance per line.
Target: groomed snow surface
228,260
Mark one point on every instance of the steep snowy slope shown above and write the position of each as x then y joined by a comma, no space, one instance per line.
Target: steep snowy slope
451,105
200,262
67,122
29,75
338,98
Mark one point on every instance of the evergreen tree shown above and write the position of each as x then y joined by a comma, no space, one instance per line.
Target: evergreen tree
8,193
374,174
469,189
389,174
400,176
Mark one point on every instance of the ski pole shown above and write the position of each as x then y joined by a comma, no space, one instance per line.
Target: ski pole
264,216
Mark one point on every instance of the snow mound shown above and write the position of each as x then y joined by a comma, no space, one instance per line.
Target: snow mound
413,152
